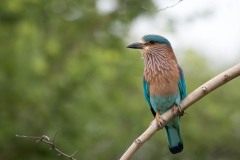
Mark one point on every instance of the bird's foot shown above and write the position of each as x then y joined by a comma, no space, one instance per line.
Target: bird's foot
177,110
160,120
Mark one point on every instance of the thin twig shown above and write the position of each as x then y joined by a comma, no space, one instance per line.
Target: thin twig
45,139
53,141
162,9
193,97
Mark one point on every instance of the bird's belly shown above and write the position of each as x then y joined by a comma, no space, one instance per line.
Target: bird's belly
163,88
162,103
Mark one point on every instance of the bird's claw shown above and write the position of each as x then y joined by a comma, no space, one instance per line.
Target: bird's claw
160,120
177,110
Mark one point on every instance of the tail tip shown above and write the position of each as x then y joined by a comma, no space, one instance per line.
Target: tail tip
176,149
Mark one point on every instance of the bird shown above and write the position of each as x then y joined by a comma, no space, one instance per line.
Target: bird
164,84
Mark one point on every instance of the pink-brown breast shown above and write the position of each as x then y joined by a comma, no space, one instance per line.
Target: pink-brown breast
162,75
164,87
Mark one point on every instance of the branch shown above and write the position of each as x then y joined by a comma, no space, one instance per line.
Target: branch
162,9
45,139
193,97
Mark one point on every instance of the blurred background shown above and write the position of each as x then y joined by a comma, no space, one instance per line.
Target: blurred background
64,64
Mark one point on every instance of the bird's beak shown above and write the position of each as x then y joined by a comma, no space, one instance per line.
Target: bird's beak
136,45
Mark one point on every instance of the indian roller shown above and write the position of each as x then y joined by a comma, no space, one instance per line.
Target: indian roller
163,83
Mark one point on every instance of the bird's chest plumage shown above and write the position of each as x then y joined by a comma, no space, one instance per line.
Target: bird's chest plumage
162,86
162,78
162,75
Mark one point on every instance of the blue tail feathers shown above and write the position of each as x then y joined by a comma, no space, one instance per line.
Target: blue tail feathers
175,143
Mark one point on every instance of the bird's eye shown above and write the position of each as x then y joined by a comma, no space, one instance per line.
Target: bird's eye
151,42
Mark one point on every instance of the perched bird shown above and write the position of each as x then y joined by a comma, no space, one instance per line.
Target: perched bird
163,83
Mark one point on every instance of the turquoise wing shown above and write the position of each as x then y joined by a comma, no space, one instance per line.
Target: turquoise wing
147,95
182,84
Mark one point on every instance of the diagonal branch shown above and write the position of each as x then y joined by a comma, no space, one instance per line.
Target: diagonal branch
193,97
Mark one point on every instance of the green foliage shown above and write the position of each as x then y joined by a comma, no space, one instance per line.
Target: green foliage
63,64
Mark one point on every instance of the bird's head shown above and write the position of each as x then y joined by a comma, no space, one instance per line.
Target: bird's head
149,41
